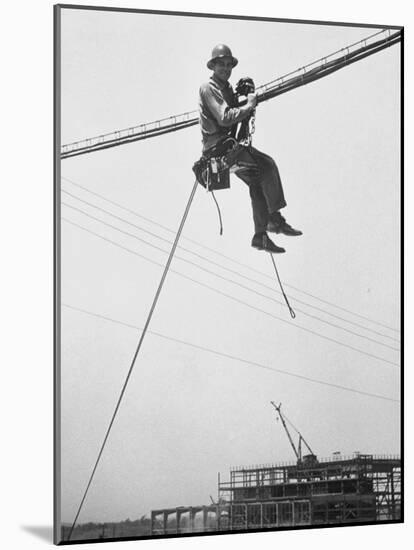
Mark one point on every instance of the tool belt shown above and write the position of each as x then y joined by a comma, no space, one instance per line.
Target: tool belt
212,170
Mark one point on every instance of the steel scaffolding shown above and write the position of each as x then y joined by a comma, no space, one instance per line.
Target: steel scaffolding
348,490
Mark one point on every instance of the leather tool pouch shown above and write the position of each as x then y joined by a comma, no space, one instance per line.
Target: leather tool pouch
213,169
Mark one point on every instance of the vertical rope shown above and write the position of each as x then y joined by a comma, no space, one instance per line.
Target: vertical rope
291,311
219,213
144,331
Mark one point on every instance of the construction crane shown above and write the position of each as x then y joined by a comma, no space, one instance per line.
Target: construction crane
311,457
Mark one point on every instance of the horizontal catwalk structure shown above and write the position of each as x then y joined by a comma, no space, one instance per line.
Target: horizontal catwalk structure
304,75
339,490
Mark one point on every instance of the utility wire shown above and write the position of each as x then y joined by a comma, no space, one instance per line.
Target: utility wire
310,331
272,289
169,230
229,356
154,303
238,273
140,228
244,287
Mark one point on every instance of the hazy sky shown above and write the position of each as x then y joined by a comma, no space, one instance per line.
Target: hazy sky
188,414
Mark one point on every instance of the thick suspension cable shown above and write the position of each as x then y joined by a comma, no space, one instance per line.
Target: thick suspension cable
141,339
309,73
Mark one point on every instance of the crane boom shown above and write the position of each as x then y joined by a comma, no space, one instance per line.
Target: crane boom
308,447
286,428
298,450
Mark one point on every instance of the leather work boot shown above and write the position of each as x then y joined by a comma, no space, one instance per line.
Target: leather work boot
278,224
262,242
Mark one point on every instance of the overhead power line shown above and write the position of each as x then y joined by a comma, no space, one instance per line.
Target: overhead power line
231,281
304,75
236,262
217,291
200,256
229,356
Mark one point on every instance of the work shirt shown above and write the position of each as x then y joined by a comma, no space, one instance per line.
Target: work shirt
218,111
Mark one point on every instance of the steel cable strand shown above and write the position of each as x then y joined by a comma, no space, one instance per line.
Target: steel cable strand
141,339
244,287
122,141
325,67
291,84
229,356
143,128
224,256
324,71
326,57
237,300
237,273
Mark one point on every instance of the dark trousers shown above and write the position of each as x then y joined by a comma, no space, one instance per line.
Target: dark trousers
260,173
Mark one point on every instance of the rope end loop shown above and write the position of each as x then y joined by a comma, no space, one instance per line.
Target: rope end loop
291,310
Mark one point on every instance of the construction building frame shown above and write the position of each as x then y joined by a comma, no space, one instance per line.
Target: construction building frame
335,491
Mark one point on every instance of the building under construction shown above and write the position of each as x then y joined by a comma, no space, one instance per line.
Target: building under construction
339,490
363,488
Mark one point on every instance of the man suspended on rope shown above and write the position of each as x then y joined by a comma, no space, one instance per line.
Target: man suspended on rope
220,113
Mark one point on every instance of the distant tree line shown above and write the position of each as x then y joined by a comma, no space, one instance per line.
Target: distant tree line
92,531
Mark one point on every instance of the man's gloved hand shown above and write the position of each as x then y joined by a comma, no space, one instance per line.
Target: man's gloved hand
252,100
